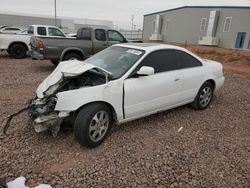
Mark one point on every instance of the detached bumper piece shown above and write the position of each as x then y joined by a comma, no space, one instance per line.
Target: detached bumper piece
44,117
48,122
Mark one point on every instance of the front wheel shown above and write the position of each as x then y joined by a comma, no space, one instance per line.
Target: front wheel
204,97
72,56
92,124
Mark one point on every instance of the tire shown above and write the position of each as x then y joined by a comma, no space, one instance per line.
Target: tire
92,124
54,62
204,97
72,56
18,51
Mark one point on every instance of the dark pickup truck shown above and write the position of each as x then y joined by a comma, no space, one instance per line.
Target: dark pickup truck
88,41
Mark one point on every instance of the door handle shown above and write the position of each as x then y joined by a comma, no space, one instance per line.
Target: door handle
177,79
104,44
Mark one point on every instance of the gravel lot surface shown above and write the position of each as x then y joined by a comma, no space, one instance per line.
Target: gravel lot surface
211,150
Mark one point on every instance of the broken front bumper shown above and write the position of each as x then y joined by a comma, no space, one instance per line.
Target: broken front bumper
44,117
48,122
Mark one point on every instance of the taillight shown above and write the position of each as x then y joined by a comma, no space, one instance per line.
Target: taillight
40,45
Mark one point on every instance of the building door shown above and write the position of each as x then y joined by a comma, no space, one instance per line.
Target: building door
249,44
240,40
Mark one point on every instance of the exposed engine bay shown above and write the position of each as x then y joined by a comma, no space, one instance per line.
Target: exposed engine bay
42,109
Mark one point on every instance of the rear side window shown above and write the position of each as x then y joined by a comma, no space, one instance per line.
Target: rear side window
161,61
85,34
31,30
100,34
186,60
55,32
41,31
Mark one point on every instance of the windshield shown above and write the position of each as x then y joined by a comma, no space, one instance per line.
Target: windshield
116,60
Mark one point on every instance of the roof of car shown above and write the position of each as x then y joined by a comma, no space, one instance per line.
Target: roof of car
36,25
149,46
12,27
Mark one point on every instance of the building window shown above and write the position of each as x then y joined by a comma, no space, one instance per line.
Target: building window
203,24
167,24
227,24
154,25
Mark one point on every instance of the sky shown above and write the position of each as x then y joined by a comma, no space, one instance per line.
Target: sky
118,11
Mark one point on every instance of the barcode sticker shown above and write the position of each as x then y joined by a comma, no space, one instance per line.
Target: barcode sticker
136,52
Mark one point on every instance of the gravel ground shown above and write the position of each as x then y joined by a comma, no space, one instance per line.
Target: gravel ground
212,149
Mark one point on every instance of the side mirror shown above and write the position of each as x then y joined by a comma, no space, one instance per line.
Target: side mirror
146,71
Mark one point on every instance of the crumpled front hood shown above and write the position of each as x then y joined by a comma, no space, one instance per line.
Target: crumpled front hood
69,68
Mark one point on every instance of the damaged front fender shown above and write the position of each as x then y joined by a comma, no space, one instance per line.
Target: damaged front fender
69,77
66,69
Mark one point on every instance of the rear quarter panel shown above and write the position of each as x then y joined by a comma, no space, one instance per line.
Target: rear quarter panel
7,39
215,71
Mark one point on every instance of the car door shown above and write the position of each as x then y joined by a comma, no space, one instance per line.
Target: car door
53,48
193,75
114,37
100,40
147,94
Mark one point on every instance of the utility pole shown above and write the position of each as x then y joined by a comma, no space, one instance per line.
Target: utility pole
55,13
132,20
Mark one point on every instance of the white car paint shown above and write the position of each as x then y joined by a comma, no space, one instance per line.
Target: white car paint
168,93
161,91
7,39
10,30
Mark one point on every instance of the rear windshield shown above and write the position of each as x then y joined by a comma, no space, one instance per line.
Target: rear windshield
84,33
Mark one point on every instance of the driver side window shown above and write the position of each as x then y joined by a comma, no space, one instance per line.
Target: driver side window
161,61
55,32
115,36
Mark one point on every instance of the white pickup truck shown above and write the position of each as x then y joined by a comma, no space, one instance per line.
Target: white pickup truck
17,45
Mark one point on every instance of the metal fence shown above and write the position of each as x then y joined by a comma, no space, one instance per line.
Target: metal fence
132,35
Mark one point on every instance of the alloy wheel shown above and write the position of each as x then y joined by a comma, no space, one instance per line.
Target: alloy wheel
98,126
205,96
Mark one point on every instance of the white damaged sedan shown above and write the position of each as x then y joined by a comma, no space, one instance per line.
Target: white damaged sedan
119,84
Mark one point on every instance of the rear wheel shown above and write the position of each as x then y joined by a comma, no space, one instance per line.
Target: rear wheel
204,97
18,51
92,124
72,56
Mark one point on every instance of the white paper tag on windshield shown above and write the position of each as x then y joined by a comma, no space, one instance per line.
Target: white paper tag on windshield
136,52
